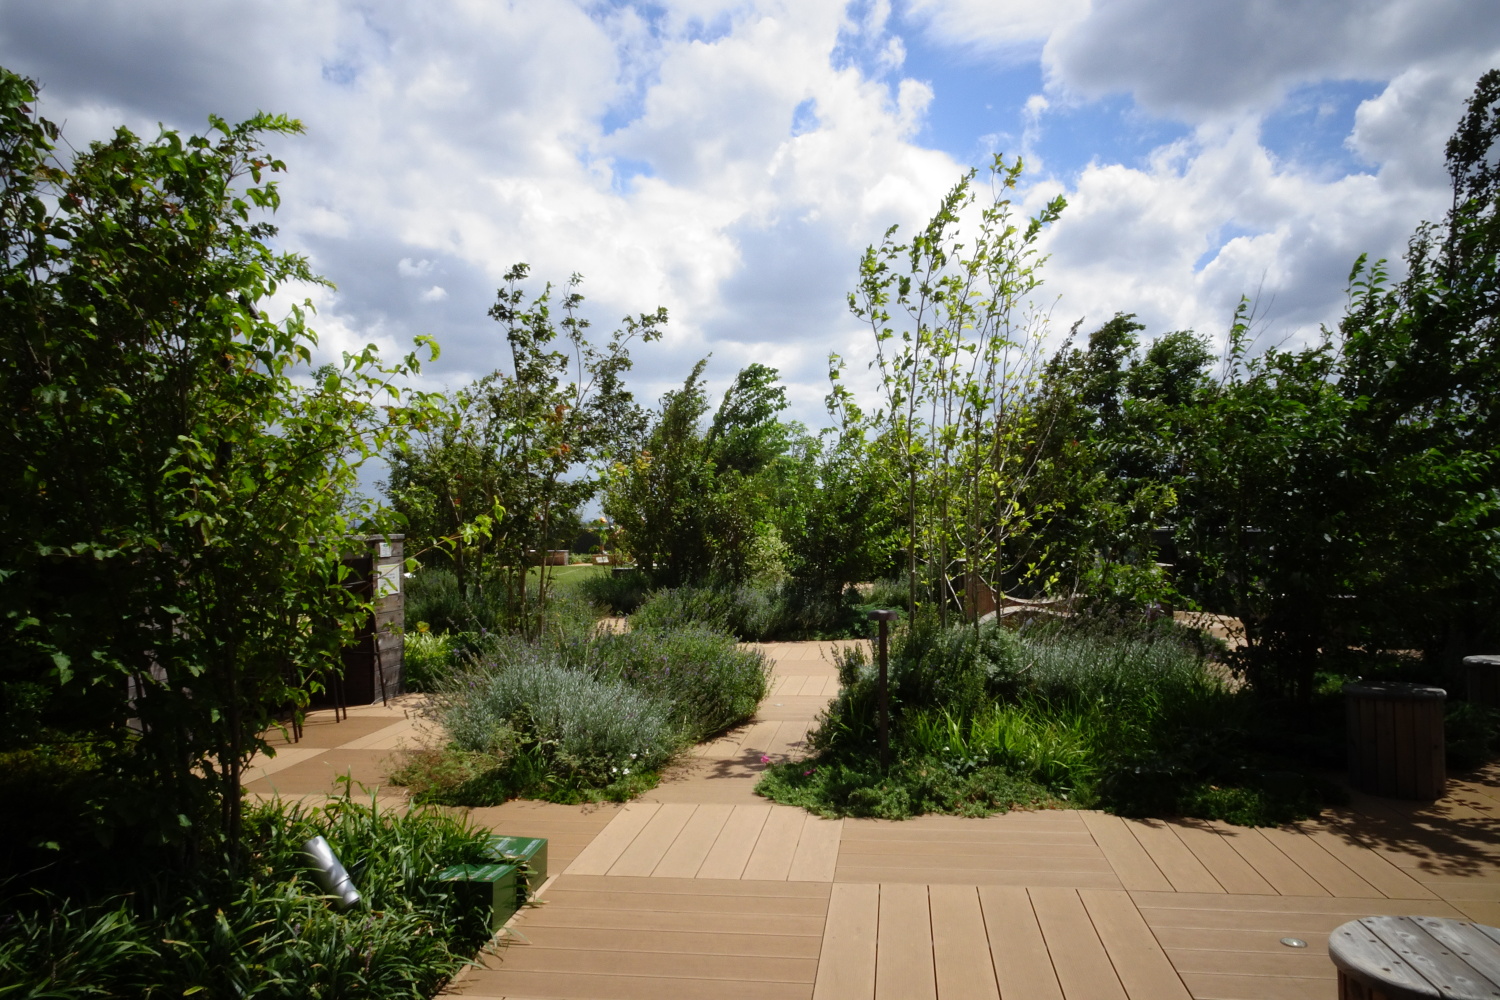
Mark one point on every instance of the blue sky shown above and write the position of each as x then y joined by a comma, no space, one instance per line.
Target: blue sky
731,158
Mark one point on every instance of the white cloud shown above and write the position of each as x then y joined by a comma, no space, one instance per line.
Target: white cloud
721,158
1014,26
1200,60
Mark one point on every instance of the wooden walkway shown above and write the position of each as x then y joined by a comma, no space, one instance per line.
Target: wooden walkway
703,890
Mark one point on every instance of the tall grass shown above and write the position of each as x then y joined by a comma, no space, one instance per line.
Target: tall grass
1129,719
269,933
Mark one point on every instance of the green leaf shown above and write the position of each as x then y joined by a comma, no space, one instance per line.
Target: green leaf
63,663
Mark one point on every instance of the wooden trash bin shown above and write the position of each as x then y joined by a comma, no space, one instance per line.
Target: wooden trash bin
1395,738
1483,676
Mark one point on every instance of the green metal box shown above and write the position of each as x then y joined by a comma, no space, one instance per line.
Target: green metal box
498,884
530,853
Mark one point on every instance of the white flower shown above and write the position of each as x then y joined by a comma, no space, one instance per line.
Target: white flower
613,770
627,770
632,756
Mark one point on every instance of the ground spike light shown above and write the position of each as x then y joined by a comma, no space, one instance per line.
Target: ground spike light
330,873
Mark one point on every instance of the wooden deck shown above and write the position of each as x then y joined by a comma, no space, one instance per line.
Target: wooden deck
701,889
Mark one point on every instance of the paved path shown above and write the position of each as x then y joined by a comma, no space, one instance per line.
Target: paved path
702,890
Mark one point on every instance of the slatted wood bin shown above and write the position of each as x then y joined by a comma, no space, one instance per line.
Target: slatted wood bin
1483,675
372,665
1395,735
1404,958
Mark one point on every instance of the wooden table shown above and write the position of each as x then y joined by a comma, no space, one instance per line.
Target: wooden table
1395,958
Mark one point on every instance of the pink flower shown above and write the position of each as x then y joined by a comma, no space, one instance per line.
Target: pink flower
764,759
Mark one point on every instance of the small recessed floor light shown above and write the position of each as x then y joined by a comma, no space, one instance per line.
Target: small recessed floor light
1294,942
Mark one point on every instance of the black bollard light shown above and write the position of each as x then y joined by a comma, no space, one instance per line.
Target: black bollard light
884,722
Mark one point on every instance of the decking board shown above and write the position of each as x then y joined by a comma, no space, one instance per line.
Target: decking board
1082,965
1139,961
960,948
846,962
1018,952
1133,865
903,951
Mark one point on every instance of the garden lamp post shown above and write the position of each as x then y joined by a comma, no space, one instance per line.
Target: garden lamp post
884,722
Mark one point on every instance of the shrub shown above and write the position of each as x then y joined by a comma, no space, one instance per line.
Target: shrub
433,596
746,611
586,727
620,593
754,611
709,682
427,658
268,933
1098,712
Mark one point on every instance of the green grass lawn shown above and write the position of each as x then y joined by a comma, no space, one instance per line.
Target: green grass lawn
565,578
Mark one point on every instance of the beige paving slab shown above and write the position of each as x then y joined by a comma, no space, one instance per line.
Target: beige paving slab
1333,875
1181,867
653,841
1083,966
386,738
1391,881
262,765
1139,961
321,731
1285,876
1233,873
1130,861
319,773
613,840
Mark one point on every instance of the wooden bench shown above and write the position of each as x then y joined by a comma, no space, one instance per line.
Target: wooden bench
1397,958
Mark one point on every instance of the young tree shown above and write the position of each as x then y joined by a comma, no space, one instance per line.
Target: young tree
175,490
958,351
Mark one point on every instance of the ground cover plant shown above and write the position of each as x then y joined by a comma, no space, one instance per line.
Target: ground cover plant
1092,713
266,932
578,714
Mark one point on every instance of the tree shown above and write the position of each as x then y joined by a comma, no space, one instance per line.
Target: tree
1111,468
957,349
174,486
697,506
515,454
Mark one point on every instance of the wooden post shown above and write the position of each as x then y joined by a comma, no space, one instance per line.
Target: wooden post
884,722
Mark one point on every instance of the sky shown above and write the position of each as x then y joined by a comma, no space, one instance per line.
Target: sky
731,160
